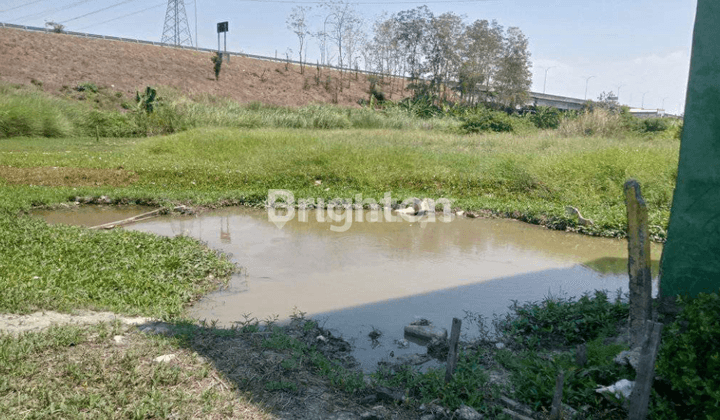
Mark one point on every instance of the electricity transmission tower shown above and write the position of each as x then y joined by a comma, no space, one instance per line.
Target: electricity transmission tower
176,29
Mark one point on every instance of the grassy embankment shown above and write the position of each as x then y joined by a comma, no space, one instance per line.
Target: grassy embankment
221,154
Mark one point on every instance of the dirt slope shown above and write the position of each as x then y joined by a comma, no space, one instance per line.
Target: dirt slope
59,60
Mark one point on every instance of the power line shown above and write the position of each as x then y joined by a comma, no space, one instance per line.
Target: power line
97,11
54,9
22,5
124,16
371,2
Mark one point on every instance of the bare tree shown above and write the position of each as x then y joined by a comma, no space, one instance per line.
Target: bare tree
298,23
345,23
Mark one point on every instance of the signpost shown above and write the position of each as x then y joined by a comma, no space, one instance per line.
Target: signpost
222,27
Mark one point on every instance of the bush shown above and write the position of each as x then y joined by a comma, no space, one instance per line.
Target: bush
653,125
546,117
689,362
484,120
87,86
217,64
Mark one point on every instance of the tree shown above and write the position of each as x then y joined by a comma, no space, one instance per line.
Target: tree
483,46
297,23
411,35
608,101
442,50
345,25
513,77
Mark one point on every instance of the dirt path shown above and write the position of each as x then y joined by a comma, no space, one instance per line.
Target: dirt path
16,324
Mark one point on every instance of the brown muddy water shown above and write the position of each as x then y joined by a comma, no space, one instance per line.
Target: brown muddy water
383,275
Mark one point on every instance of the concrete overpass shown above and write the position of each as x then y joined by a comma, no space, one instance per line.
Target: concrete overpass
559,102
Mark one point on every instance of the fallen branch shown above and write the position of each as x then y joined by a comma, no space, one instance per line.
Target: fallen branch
127,221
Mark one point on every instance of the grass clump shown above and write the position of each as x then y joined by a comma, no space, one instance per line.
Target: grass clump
469,385
65,268
563,321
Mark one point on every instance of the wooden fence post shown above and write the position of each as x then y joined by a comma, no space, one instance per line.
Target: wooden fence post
640,396
638,261
453,351
557,409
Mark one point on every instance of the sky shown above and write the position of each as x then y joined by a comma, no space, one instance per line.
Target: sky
637,48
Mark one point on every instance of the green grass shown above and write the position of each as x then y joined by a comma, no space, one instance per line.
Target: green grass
529,177
66,268
74,372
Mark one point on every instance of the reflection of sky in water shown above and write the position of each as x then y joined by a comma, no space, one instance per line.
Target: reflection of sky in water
385,275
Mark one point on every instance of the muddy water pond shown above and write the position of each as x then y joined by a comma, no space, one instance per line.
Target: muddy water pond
383,275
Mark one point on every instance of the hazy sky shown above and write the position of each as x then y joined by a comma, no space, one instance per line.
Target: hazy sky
641,45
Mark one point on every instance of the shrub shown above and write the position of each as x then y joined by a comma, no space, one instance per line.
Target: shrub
486,120
546,117
689,362
217,64
652,125
87,86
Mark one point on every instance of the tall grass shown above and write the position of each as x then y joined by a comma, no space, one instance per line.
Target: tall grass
599,122
32,113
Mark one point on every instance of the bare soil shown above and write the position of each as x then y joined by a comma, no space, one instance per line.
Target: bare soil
55,60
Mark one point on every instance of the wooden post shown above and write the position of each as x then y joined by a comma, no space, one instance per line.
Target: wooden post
556,410
453,351
581,355
638,261
640,396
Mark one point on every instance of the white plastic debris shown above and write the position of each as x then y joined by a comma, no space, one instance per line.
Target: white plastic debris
621,389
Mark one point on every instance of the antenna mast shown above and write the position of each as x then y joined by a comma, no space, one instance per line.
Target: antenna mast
176,30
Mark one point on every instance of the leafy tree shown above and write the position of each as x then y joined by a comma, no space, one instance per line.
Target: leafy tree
513,77
483,46
411,35
442,48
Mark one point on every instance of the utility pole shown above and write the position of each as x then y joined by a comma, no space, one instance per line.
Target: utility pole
176,30
642,104
197,41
